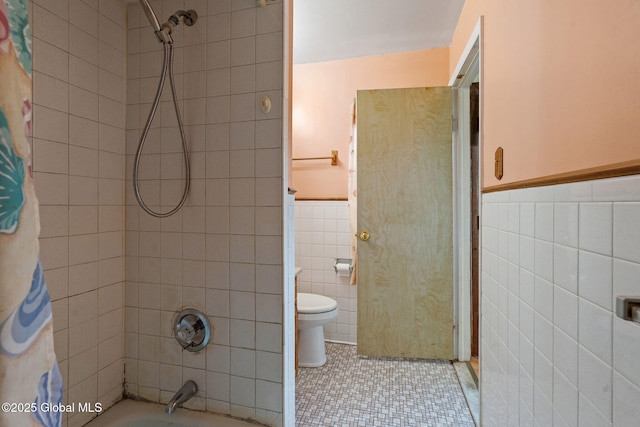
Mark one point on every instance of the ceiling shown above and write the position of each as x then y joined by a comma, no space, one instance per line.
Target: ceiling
325,30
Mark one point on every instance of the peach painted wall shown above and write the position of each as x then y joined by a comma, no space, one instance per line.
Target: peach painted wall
561,87
322,99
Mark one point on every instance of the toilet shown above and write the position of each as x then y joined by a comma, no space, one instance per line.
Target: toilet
313,312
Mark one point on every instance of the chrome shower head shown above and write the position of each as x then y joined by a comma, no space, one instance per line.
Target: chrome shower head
153,19
163,32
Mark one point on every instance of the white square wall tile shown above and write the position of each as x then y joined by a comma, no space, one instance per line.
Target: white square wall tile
595,278
596,382
50,124
269,366
544,337
50,27
626,231
596,226
565,267
595,330
269,308
565,356
242,333
565,398
83,249
565,312
268,47
217,386
565,224
243,51
625,401
110,298
544,298
623,189
243,23
527,254
573,192
544,221
242,107
269,395
50,92
243,362
625,278
543,392
626,349
543,259
148,374
242,391
268,337
242,305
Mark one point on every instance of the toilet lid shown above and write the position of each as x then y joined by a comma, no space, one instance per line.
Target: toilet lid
312,303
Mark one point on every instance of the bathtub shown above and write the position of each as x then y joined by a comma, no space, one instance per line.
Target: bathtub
130,413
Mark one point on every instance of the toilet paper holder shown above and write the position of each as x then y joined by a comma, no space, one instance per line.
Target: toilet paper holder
342,261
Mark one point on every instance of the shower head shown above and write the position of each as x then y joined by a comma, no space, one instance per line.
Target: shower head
163,32
153,19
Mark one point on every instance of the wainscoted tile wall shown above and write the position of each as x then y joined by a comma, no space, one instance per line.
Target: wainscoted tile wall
222,253
79,57
553,261
322,235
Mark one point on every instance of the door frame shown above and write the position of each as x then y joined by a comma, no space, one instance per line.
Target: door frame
468,68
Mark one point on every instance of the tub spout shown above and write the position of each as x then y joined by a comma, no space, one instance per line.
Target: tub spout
186,392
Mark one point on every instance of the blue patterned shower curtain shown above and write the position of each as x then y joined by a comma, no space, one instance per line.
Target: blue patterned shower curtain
30,383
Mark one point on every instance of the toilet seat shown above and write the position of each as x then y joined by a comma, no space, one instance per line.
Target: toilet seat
312,303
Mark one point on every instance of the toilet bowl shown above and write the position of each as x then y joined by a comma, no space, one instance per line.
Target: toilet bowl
313,312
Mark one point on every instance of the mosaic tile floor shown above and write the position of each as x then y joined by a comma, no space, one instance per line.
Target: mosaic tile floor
379,392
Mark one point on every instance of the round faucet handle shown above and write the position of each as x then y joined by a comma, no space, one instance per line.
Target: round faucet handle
185,335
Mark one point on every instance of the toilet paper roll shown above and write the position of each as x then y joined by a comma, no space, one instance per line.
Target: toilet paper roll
343,270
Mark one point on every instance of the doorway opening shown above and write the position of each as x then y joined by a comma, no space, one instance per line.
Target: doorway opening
467,149
474,139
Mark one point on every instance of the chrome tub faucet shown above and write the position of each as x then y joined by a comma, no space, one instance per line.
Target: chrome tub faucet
186,392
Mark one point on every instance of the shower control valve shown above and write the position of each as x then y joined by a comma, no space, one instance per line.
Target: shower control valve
192,330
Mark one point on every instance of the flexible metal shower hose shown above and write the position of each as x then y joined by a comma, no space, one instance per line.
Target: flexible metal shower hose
167,67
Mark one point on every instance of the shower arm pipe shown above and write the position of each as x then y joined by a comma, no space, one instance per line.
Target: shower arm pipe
167,67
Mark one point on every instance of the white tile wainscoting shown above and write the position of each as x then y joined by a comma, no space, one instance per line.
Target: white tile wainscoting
322,235
554,259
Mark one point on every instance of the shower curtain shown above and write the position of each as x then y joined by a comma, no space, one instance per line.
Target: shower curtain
30,382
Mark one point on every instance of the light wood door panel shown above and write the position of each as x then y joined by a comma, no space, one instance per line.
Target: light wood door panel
405,272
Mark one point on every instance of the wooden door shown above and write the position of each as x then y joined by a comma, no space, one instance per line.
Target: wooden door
405,268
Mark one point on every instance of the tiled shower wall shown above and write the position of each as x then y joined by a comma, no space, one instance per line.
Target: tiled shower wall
78,159
554,259
322,235
222,253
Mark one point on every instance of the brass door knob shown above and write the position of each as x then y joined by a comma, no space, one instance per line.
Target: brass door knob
364,236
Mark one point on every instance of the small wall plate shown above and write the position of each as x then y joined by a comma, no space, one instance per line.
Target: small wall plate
499,172
265,104
192,330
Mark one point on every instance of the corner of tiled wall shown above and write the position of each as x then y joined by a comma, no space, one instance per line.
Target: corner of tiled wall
322,235
554,259
222,253
78,157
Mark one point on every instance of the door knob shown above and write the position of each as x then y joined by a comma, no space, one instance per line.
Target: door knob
364,236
